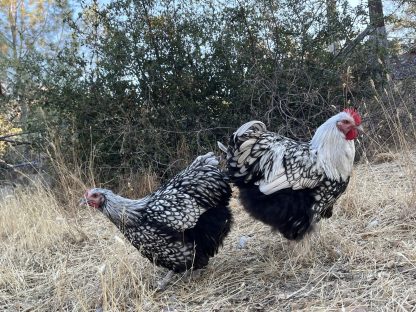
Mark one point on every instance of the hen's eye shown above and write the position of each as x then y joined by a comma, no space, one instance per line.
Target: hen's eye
345,121
94,195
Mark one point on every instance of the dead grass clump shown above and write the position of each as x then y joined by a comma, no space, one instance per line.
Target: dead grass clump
31,219
384,157
140,184
33,232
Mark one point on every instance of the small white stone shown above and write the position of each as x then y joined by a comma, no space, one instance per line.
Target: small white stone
101,269
242,242
373,223
118,239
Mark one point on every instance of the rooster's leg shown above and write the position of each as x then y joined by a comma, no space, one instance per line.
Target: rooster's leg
192,274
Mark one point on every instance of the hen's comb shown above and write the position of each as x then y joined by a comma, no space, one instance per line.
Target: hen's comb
354,114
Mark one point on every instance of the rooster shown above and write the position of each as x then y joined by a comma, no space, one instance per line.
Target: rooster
179,226
291,185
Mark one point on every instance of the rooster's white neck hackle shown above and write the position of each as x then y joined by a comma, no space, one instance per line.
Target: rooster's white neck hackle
335,154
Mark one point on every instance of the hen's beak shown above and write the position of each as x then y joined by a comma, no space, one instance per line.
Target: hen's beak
83,202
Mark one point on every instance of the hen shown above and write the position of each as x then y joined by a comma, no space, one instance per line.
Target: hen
179,226
291,185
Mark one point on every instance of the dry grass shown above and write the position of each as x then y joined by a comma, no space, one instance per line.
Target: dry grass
55,257
362,259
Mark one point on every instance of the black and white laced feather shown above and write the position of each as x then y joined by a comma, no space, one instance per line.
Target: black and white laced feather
287,184
182,224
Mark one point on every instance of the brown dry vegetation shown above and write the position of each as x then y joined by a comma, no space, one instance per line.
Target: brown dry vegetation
60,257
362,259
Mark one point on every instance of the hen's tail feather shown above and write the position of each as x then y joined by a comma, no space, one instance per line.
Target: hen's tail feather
207,159
222,147
251,125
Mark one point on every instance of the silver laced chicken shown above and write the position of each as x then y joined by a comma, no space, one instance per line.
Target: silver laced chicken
291,185
179,226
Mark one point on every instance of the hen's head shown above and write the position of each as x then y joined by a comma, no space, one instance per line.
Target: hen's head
96,198
118,209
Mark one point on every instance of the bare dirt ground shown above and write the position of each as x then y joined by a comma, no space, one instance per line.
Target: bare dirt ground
361,259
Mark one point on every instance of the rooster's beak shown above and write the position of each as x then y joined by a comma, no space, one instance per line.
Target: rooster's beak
360,129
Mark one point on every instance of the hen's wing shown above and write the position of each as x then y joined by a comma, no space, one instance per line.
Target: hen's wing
272,161
180,202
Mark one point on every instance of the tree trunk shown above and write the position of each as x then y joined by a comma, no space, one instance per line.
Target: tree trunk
14,9
378,37
12,16
332,19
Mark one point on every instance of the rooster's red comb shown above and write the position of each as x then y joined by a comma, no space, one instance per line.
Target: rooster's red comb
354,114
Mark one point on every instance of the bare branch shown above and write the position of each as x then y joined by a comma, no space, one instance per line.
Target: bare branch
15,142
345,51
14,134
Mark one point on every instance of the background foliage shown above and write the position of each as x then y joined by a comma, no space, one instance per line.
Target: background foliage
146,84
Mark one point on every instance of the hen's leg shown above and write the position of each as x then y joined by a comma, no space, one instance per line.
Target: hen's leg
161,285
